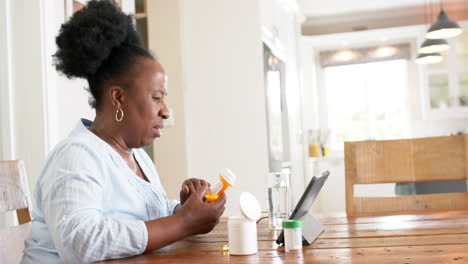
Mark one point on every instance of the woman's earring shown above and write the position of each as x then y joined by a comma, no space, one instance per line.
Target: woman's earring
117,114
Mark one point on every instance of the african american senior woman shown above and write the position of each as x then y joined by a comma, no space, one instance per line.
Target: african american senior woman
99,195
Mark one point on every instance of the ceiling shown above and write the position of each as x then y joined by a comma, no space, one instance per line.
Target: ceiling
337,16
334,7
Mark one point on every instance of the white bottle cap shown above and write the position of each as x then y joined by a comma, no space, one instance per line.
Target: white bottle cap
249,206
229,176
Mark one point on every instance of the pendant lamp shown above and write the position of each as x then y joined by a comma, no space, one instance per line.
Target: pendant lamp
443,27
434,45
429,58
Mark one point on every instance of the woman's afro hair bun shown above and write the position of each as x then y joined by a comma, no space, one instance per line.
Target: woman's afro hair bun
88,38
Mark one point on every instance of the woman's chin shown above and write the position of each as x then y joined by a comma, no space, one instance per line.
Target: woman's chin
147,142
151,142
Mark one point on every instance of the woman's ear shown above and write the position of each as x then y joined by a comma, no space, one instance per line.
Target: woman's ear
117,95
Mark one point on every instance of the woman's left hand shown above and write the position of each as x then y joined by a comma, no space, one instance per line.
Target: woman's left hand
189,187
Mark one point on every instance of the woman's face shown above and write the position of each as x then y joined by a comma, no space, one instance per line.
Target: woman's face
144,105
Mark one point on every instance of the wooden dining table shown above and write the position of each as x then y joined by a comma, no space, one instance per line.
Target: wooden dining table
431,237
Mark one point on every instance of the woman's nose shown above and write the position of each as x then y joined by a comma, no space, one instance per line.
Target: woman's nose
164,112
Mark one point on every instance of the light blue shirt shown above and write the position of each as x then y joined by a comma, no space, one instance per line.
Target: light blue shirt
90,206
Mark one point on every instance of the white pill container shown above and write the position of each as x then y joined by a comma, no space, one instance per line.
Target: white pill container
292,235
242,229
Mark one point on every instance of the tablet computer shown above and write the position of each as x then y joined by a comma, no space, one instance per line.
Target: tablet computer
307,199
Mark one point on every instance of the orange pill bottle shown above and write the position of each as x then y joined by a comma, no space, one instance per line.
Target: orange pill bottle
225,180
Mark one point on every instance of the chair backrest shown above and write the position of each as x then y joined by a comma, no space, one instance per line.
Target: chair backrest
14,195
405,161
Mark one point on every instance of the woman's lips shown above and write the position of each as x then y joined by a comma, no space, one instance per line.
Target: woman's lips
157,131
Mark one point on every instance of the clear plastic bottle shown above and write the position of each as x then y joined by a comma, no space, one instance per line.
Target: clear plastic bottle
278,198
226,179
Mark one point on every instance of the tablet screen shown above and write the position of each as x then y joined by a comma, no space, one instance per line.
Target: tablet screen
309,196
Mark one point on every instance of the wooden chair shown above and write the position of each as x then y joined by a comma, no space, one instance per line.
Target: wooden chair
405,161
14,195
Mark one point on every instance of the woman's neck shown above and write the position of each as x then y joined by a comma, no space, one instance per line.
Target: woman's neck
107,131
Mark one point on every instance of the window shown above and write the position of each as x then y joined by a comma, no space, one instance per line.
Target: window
447,81
276,109
365,101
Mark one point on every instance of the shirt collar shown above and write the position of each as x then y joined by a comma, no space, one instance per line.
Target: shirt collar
82,128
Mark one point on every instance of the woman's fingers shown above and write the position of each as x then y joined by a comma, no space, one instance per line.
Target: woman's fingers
185,189
193,184
201,191
203,182
221,201
204,216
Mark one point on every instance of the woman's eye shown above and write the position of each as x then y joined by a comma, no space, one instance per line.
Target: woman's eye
157,98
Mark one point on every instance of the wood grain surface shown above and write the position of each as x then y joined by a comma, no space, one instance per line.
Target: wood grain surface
434,237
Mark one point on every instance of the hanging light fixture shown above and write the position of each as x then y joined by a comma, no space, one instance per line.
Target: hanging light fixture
434,45
429,58
444,27
429,52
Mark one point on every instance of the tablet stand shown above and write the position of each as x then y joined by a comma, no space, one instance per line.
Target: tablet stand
311,229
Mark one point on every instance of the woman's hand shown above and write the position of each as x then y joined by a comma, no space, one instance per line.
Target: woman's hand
196,216
200,216
189,187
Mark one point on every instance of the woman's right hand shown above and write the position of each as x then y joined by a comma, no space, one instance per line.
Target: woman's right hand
196,216
200,216
189,187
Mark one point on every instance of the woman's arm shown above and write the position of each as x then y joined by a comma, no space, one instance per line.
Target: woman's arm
72,198
81,232
71,195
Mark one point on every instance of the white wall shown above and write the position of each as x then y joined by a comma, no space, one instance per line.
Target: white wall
225,94
170,151
225,101
212,51
28,85
24,123
7,150
281,31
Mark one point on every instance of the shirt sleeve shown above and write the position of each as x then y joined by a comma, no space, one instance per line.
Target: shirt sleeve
171,205
72,205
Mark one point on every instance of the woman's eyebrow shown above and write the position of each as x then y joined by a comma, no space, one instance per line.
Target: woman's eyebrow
161,92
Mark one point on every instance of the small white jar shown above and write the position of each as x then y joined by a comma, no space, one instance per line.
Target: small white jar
242,236
292,235
242,229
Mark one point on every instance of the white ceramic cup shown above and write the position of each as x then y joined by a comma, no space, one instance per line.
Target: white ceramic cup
242,236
